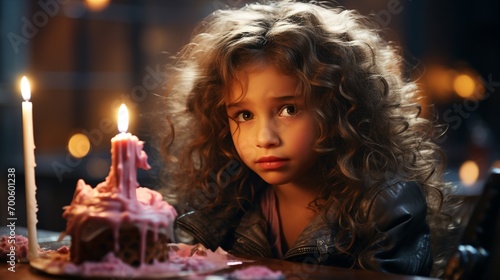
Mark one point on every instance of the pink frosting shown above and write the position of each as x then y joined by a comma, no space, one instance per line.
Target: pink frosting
120,199
20,244
57,263
256,272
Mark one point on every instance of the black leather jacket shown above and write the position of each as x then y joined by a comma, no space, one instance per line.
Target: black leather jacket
398,213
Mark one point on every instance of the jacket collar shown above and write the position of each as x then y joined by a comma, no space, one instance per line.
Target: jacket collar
317,236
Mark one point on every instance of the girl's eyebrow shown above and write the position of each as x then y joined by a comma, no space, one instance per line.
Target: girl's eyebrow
235,105
277,98
285,97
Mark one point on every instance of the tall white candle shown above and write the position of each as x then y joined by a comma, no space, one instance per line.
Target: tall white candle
29,169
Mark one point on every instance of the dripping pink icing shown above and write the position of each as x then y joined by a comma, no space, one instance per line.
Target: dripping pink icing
120,199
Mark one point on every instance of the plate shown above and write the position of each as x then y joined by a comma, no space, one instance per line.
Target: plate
184,260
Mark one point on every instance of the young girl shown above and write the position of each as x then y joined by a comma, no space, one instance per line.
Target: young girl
294,135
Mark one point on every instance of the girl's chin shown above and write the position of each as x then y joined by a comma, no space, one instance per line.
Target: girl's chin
274,180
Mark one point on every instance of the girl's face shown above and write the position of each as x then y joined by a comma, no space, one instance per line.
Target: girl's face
271,131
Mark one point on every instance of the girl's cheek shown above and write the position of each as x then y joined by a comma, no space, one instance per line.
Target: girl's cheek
241,139
245,148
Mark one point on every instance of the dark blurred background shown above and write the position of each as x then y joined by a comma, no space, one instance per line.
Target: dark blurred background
85,57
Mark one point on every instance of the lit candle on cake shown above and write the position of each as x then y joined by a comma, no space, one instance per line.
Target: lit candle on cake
29,169
126,155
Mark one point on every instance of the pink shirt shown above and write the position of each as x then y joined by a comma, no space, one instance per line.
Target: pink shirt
268,205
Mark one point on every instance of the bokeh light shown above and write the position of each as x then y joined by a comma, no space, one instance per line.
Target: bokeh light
96,5
469,173
464,85
79,145
438,80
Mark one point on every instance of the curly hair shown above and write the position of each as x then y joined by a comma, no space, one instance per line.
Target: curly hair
370,126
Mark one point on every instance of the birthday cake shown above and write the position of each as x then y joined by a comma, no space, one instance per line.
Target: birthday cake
119,217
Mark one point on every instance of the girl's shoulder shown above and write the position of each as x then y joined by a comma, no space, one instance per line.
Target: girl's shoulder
396,200
398,189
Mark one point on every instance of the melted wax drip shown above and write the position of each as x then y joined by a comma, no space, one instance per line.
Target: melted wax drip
120,199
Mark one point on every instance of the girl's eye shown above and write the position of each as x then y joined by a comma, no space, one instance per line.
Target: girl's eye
288,110
243,116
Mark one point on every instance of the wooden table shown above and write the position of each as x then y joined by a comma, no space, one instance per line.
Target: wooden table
297,270
291,270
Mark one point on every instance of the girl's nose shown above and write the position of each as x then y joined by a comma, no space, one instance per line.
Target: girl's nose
267,136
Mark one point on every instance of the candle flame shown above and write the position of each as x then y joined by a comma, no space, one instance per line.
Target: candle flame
25,88
122,118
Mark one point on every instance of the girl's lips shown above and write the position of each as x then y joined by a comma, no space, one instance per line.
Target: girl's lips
271,162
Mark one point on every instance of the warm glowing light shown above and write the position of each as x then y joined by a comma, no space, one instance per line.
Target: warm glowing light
464,85
468,173
97,5
25,89
122,118
438,81
79,145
